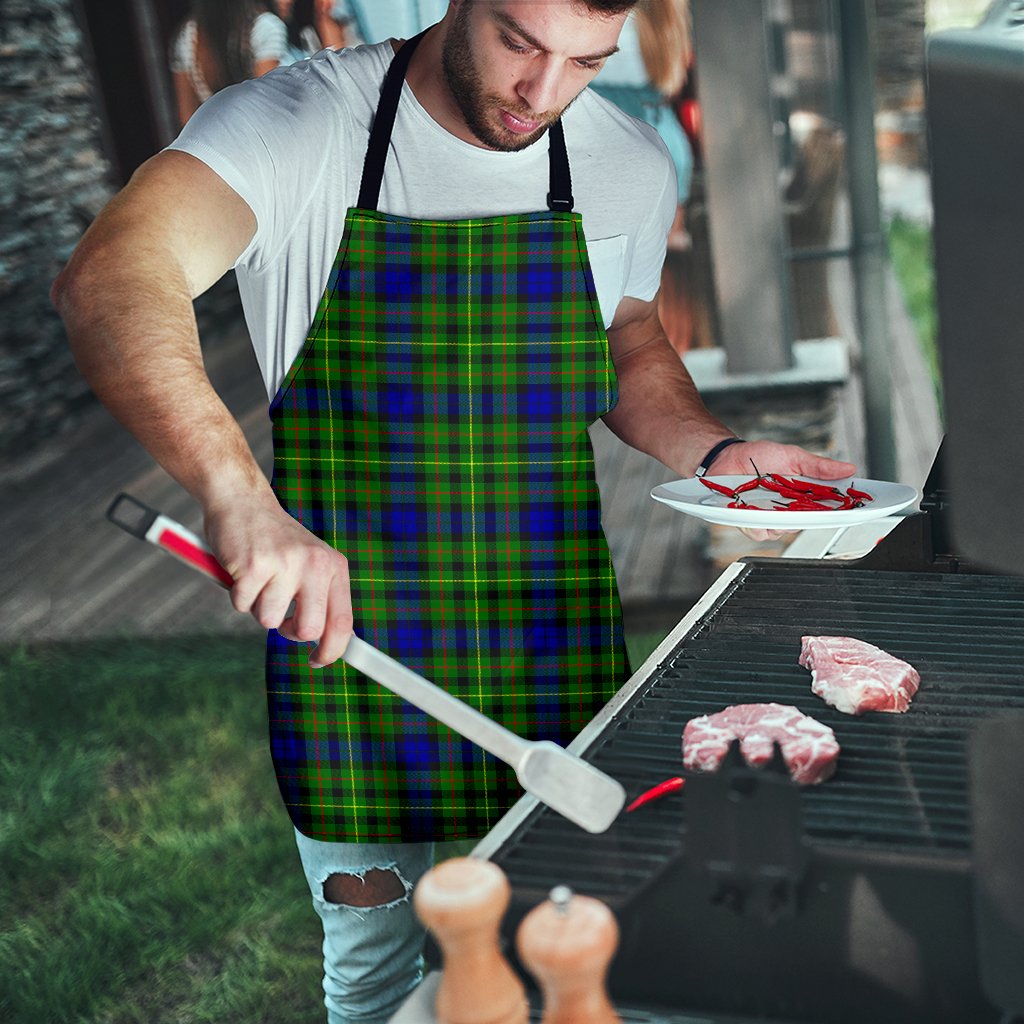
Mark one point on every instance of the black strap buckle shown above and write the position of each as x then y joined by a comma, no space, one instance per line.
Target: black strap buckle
559,204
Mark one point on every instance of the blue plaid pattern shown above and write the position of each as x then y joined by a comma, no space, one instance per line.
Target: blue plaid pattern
434,429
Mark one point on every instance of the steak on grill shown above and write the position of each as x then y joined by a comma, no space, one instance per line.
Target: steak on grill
854,676
809,748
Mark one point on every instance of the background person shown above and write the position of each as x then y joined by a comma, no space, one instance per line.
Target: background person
224,42
646,79
373,21
647,74
313,25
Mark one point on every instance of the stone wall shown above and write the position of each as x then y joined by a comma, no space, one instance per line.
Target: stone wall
54,178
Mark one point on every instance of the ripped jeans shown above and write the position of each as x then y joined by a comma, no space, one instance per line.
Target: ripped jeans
373,946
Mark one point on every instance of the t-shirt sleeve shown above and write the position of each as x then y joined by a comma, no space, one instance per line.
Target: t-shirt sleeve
269,38
652,235
269,140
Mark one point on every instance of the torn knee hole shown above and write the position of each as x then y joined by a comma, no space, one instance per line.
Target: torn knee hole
372,889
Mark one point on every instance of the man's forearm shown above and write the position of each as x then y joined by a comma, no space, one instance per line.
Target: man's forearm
659,410
126,300
133,333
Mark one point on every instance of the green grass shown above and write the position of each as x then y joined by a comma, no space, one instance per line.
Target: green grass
910,249
147,868
641,645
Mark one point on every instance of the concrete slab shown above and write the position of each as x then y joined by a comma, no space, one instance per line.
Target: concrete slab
816,363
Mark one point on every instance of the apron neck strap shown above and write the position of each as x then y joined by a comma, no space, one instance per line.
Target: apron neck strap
383,122
560,183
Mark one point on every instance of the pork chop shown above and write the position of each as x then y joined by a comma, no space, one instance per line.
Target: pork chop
809,748
854,676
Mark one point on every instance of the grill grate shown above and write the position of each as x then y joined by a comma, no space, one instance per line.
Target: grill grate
901,787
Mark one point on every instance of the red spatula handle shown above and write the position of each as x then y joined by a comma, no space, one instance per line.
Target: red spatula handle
147,524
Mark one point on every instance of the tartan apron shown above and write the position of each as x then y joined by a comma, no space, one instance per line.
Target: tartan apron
434,429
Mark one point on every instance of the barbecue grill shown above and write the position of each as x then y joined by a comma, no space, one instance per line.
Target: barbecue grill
747,897
894,892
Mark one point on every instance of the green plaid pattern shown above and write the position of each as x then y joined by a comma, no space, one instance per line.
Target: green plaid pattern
434,429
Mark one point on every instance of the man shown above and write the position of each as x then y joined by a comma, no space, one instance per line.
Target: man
432,376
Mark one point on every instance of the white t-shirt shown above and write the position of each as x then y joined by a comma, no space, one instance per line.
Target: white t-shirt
292,144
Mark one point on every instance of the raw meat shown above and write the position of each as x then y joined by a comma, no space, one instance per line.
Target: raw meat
809,748
855,677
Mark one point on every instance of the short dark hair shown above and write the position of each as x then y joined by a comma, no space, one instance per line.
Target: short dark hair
608,7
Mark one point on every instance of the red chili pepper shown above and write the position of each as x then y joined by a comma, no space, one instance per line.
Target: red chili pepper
789,492
809,487
815,489
793,485
656,792
770,484
721,488
803,495
749,485
808,505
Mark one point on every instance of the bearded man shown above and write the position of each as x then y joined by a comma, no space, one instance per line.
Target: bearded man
448,253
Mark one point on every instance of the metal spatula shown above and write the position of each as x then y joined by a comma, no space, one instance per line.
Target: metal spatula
564,782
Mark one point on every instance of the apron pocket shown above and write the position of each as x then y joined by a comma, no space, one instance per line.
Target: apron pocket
608,265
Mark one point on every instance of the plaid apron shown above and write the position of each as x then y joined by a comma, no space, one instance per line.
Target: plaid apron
434,429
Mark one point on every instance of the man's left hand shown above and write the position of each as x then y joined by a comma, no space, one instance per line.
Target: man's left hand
772,457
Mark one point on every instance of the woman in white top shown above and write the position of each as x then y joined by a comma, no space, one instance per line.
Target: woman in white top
224,42
313,25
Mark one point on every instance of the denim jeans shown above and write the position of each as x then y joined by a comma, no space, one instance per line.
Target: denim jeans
373,956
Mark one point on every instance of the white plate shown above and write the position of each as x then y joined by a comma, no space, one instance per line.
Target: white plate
693,498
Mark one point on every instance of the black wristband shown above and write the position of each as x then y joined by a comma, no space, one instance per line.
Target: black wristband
705,463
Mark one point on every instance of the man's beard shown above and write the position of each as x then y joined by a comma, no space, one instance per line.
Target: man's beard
464,83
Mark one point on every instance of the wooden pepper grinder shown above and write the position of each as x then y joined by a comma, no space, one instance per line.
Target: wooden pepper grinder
462,901
567,943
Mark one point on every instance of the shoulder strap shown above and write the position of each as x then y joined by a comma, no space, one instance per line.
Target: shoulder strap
383,122
560,184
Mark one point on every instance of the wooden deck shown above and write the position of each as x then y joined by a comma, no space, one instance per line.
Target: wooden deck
70,574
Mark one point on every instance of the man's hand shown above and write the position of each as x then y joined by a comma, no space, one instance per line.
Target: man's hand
285,577
772,457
